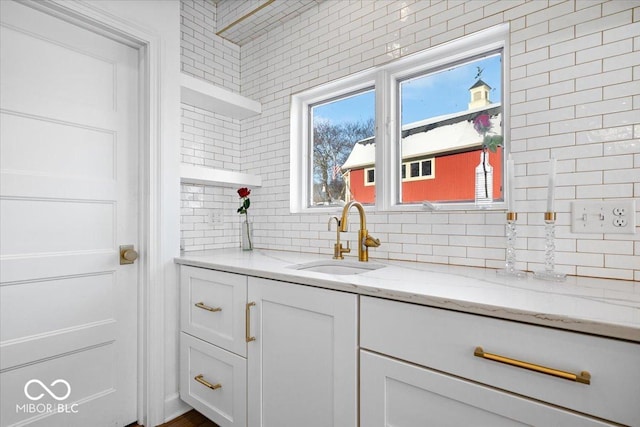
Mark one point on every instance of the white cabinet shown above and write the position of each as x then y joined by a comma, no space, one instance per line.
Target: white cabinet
399,394
213,307
267,354
214,381
442,347
213,371
302,365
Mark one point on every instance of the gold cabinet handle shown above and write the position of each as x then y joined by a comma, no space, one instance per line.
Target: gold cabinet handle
248,322
206,383
583,377
203,306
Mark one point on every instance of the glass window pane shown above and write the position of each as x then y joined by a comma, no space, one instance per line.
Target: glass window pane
415,169
438,110
426,168
343,146
370,175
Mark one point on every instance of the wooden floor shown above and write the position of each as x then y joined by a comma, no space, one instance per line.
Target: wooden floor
190,419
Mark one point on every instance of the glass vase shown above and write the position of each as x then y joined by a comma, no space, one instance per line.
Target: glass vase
484,180
246,235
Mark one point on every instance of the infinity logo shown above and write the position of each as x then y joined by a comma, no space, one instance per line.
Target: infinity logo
52,394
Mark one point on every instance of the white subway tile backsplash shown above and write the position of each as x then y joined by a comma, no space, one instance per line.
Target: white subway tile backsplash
621,176
555,63
604,107
575,73
608,273
609,191
608,247
549,116
529,106
620,119
537,81
607,22
621,261
546,40
604,163
551,90
604,79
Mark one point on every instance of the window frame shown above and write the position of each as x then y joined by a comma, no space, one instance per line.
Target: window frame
385,80
368,183
301,169
420,176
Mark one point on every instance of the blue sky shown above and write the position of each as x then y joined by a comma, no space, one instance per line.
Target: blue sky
443,92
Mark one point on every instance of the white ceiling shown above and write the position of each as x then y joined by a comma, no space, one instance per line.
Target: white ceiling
241,21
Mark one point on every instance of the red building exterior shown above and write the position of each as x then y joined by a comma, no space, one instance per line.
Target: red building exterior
454,179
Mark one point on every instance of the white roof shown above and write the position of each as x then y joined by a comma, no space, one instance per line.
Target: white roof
448,137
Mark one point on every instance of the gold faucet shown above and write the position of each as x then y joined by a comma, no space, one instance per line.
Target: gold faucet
365,241
338,250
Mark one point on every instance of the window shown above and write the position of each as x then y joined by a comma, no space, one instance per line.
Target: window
425,105
438,107
341,129
418,170
369,176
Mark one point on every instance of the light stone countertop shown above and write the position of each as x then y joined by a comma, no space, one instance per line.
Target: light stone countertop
603,307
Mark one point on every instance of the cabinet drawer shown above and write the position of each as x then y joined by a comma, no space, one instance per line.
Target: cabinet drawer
213,307
213,381
394,393
445,340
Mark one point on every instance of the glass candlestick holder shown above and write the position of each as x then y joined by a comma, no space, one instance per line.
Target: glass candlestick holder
510,259
549,272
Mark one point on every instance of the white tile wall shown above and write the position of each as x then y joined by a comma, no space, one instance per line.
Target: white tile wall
208,139
205,55
575,94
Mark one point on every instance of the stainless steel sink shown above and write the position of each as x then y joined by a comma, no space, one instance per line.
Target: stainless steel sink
338,267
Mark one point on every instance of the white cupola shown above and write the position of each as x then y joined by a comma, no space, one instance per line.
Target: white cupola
479,95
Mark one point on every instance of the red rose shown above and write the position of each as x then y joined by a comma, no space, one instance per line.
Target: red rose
482,123
244,192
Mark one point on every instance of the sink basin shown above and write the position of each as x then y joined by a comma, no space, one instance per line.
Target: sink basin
337,267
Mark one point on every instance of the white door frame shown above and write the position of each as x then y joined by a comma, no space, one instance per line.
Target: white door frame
151,394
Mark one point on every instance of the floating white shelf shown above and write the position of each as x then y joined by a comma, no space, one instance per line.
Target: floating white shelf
202,94
191,174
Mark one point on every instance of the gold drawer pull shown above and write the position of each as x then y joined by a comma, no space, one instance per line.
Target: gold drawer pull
584,377
206,383
206,307
248,322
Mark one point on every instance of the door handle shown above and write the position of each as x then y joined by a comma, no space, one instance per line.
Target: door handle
128,254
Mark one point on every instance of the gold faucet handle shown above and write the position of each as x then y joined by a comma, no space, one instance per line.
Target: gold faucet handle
371,242
338,250
344,250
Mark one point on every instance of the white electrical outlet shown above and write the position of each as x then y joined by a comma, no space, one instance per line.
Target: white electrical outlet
215,217
610,216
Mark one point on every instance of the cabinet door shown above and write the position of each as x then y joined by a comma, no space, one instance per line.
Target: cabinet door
302,365
394,393
212,307
213,381
445,341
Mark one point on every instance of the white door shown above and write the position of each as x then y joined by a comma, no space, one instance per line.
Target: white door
69,198
302,365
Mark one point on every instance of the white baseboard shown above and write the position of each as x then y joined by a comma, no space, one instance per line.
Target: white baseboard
174,407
